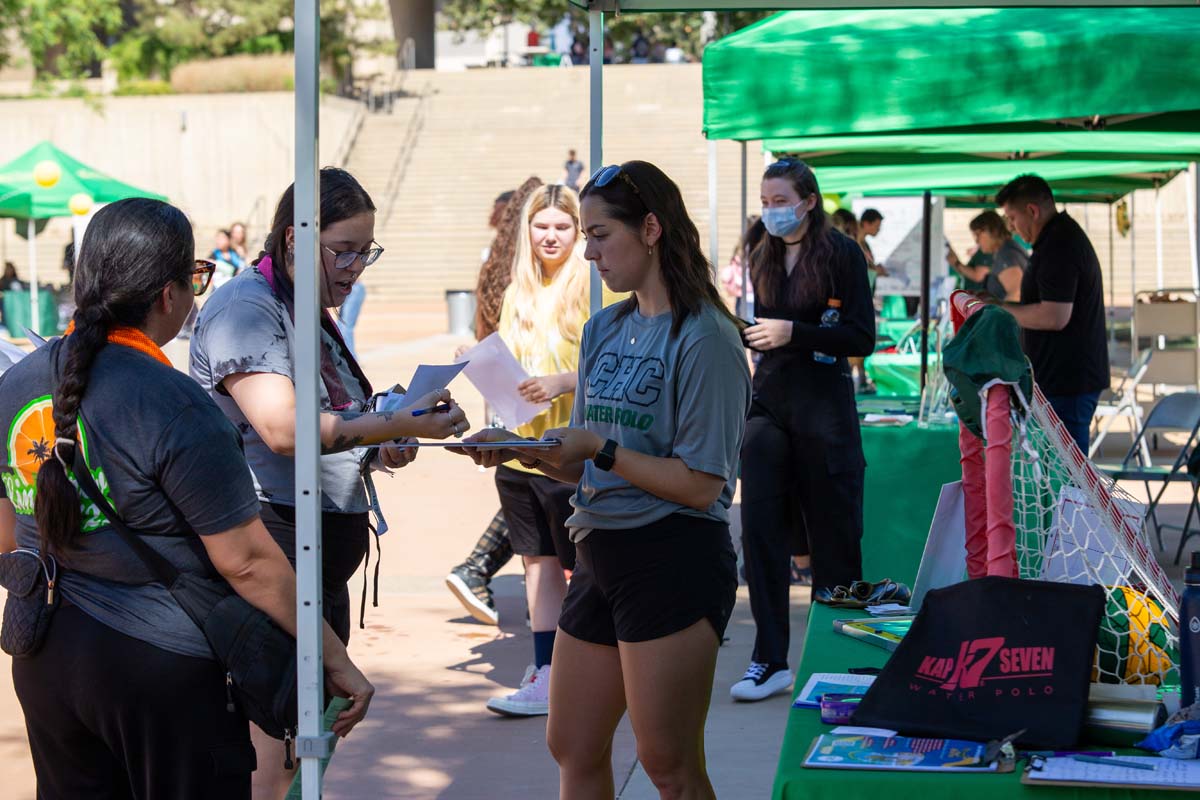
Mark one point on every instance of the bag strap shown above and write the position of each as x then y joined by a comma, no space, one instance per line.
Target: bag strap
162,569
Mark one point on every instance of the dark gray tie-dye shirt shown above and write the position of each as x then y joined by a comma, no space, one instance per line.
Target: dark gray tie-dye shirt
245,328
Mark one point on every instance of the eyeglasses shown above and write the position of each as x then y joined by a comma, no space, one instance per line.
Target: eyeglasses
202,276
346,259
606,175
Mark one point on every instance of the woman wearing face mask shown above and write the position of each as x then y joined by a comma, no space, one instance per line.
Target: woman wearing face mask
802,463
243,355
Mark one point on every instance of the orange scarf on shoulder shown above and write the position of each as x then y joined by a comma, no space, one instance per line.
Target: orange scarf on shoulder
132,337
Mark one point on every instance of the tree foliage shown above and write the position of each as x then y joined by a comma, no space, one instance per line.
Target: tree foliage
64,38
687,29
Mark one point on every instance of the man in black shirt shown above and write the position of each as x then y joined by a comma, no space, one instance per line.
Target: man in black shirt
1062,304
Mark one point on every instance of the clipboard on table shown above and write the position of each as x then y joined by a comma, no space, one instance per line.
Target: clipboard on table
1171,774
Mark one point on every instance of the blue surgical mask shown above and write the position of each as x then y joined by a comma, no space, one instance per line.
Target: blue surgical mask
784,220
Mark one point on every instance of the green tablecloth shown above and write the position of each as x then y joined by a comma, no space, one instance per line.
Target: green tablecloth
826,651
906,468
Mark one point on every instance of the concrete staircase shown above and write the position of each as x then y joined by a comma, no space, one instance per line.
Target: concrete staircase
436,163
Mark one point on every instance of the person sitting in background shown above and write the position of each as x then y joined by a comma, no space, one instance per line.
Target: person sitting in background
1002,278
1061,310
229,263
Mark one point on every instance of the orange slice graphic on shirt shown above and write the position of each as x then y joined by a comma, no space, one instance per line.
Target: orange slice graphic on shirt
31,439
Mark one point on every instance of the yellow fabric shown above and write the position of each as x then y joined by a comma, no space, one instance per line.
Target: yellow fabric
553,355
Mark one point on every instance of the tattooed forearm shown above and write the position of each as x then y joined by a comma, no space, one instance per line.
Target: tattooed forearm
341,444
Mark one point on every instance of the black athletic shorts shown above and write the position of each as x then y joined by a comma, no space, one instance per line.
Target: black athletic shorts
344,542
649,582
536,510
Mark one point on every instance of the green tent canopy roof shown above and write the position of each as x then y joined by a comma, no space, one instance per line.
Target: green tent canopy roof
808,73
760,5
22,197
870,149
976,183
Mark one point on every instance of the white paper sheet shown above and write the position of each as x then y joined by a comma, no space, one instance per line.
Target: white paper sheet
944,561
1170,772
9,354
496,373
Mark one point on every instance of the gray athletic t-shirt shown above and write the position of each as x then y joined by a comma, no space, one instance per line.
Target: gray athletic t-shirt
166,459
245,328
684,396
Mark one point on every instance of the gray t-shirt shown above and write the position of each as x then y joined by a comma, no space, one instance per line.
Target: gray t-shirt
1008,256
683,396
167,460
245,328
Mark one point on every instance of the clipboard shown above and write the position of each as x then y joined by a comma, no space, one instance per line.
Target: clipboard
1186,775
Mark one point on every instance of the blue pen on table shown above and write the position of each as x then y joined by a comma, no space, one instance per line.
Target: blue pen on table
1114,762
435,409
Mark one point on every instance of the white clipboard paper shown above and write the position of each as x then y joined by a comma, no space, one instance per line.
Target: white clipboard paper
496,373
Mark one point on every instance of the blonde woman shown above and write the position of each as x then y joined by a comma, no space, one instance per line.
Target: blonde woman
541,321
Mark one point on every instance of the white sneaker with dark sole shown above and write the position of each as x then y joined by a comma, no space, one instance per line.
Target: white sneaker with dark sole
531,700
760,682
475,599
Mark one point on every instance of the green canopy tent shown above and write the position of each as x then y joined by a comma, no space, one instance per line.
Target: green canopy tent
1026,146
950,73
74,187
806,73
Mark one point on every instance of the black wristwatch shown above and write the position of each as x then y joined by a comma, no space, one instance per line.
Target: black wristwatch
607,456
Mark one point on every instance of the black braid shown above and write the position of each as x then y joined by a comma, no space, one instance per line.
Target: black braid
56,508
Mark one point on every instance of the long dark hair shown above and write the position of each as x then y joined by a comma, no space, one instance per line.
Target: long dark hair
342,197
811,280
132,249
685,269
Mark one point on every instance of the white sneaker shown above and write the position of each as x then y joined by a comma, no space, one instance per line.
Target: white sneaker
531,700
760,682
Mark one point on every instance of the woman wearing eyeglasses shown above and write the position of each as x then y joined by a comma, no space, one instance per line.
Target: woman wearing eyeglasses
802,464
124,698
243,354
657,424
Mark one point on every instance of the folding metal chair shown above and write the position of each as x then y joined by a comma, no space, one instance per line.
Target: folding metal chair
1174,413
1123,403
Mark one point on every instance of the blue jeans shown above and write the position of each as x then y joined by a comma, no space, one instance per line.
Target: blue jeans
348,314
1075,411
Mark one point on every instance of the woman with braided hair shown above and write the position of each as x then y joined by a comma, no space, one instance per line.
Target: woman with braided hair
124,695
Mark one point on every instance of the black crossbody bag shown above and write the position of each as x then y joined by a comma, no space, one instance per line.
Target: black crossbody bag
259,657
31,580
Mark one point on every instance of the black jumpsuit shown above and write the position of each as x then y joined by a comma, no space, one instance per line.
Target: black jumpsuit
802,460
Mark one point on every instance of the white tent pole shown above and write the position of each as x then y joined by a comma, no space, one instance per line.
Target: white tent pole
311,743
1193,185
35,316
1112,286
714,215
596,124
742,243
1158,237
1133,342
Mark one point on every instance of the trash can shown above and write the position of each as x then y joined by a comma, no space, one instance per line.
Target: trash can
460,309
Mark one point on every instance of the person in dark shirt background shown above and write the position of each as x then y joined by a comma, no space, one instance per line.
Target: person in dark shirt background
1061,312
802,462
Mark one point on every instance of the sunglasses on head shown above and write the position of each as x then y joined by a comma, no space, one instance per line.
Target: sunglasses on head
606,175
346,259
202,276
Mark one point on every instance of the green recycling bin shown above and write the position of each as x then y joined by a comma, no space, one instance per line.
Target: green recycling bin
17,315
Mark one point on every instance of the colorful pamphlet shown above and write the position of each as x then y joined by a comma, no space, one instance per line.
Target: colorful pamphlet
822,683
831,751
885,632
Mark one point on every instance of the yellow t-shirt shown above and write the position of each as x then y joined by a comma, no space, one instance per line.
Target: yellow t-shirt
551,355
